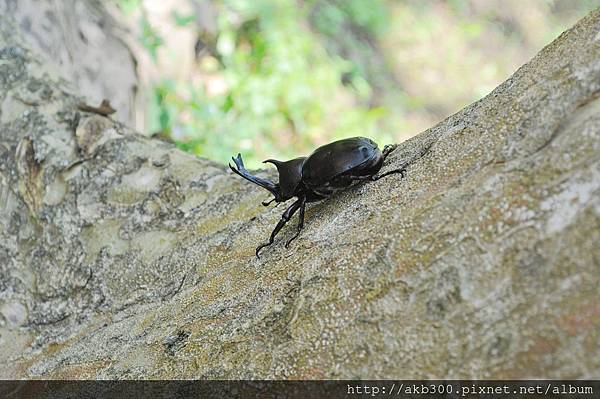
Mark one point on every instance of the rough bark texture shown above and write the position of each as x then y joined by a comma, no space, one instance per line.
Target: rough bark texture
81,42
122,257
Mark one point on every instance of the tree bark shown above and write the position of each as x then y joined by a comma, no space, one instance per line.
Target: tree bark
81,41
123,257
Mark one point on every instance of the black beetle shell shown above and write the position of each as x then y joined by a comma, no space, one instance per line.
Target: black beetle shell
339,157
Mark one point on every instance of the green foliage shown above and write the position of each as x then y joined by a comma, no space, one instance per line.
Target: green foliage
182,20
130,6
333,17
284,76
149,38
283,92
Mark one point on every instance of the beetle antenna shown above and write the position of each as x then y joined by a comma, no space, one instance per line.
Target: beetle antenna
267,184
267,203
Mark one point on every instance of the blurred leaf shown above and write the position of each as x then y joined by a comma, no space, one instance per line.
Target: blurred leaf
150,39
472,30
181,20
129,6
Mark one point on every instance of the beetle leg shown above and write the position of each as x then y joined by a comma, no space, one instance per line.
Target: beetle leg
300,221
287,215
267,203
362,178
388,148
386,151
402,171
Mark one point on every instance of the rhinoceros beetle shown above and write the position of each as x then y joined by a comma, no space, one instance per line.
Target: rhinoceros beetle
330,168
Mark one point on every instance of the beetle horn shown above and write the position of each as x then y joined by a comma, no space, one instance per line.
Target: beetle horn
274,162
264,183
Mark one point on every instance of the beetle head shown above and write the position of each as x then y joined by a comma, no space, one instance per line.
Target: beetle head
290,176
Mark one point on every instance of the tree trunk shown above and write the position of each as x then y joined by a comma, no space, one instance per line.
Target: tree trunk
82,43
123,257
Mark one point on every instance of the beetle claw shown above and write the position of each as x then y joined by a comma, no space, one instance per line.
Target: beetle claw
261,247
287,244
267,203
388,149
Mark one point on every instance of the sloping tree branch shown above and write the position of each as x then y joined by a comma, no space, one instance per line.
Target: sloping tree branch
122,257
